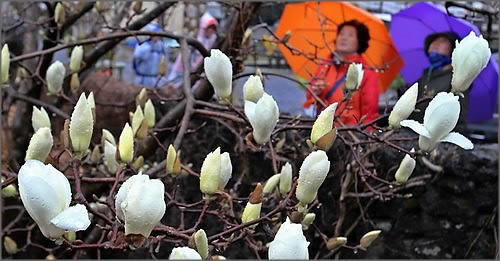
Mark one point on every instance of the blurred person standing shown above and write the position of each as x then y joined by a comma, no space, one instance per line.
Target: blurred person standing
147,58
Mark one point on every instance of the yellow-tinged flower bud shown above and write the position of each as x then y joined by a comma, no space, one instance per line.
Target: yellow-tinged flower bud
258,72
81,126
95,155
335,242
137,119
55,77
139,161
368,239
252,209
10,191
40,118
173,163
323,128
51,256
286,179
106,135
109,158
5,63
91,102
126,144
40,145
209,174
201,242
10,245
59,14
246,38
141,98
354,77
75,82
405,169
76,59
70,236
149,114
162,68
253,89
218,257
271,183
308,219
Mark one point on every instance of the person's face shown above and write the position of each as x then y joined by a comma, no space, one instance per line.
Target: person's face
440,45
347,40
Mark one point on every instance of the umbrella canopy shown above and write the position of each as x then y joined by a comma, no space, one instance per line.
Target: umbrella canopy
422,19
313,27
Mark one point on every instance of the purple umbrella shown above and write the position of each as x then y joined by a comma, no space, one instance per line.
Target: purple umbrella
409,28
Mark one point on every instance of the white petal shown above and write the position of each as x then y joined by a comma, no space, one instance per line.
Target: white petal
210,171
266,117
289,243
458,139
324,123
416,126
404,106
179,253
226,169
312,173
74,218
219,72
123,191
249,108
253,89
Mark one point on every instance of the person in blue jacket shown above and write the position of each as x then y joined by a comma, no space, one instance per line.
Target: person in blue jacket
147,57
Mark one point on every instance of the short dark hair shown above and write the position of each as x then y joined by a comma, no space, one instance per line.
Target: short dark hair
450,36
362,32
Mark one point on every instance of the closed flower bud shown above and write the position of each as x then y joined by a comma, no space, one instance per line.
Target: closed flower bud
70,236
263,117
184,253
126,144
55,77
173,163
271,183
137,119
258,72
138,162
91,102
218,257
106,135
368,239
440,117
201,242
140,204
74,83
81,126
253,89
469,58
252,209
149,114
311,175
95,155
59,14
162,67
40,145
141,98
286,37
215,172
76,59
10,245
46,195
308,219
10,191
354,77
286,179
323,133
335,242
109,158
245,41
219,72
405,169
289,243
5,63
40,118
404,107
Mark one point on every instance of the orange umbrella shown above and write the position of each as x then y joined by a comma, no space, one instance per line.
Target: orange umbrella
313,28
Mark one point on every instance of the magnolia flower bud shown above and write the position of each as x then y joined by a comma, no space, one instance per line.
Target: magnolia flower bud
368,239
263,117
10,191
138,162
126,144
70,236
405,169
404,107
91,102
40,145
162,67
75,83
286,179
323,134
137,119
286,37
219,72
55,77
59,14
258,72
335,242
109,158
440,117
289,242
95,155
184,253
271,183
253,89
46,195
107,136
5,63
137,7
173,163
308,219
354,77
81,126
245,41
469,58
311,175
215,172
149,114
201,241
254,204
141,98
10,245
40,118
218,257
140,204
76,59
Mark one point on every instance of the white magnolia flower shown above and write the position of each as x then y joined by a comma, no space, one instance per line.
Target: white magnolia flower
140,204
404,107
286,179
81,125
289,242
441,116
468,59
263,117
40,118
40,145
311,175
184,253
324,123
405,169
253,89
126,144
354,76
215,172
76,59
109,157
55,77
46,195
219,72
5,63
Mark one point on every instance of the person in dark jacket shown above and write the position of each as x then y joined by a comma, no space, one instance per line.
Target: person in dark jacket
437,77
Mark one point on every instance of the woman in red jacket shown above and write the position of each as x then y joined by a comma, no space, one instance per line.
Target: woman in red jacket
328,82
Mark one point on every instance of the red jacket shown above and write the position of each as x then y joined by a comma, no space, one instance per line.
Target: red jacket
363,102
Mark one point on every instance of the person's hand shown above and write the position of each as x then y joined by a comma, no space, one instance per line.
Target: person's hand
318,86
